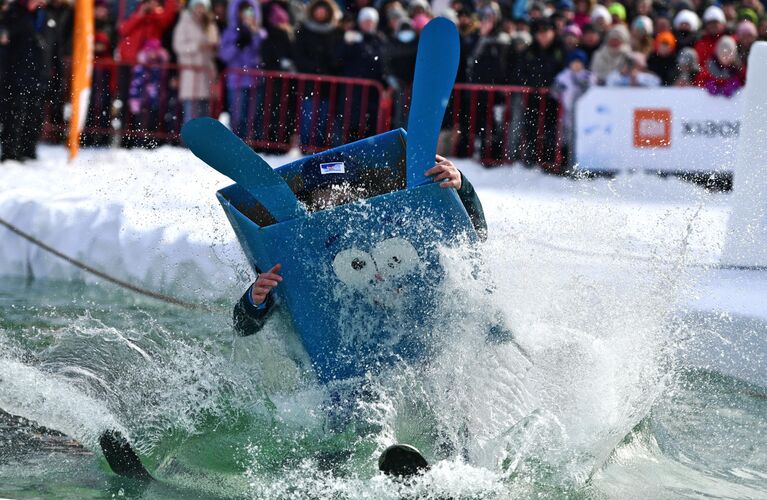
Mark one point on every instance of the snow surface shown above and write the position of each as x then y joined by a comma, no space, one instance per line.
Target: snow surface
151,218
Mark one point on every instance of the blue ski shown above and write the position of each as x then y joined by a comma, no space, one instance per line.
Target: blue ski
217,146
435,68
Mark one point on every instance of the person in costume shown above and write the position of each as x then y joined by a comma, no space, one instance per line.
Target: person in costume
252,310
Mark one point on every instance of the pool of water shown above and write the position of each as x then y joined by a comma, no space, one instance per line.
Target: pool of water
573,414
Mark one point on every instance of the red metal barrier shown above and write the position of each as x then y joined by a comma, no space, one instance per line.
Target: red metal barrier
143,106
315,111
506,124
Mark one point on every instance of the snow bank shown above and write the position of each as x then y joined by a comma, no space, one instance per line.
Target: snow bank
151,217
146,217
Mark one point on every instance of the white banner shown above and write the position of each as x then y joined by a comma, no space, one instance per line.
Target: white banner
663,129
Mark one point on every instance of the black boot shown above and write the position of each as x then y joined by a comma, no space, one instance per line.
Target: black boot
402,460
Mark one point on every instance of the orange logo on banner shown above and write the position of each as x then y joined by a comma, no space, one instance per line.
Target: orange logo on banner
652,128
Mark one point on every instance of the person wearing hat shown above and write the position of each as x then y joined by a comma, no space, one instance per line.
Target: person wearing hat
590,41
582,15
714,26
570,84
662,61
687,68
618,13
746,35
722,74
611,55
686,25
362,56
632,73
642,35
571,37
195,42
601,18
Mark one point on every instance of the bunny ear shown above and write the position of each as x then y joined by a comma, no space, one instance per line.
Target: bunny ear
435,69
217,146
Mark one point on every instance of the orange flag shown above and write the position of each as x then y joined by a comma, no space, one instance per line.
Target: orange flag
82,71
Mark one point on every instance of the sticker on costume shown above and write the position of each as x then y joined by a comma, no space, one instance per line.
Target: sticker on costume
336,167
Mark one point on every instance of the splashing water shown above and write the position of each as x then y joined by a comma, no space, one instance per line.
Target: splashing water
580,403
543,412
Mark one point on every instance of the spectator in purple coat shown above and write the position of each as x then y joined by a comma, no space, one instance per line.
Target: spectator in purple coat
241,51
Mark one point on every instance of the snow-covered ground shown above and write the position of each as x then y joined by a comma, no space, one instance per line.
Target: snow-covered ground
151,218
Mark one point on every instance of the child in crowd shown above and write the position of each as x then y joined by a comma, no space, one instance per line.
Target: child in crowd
145,94
663,60
569,86
722,74
687,68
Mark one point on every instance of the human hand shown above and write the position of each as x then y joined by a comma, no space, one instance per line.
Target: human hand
264,284
445,172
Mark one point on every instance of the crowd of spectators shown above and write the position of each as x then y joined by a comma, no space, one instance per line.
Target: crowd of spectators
562,45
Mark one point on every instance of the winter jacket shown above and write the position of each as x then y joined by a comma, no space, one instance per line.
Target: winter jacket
317,44
140,27
685,39
192,44
362,55
488,61
469,38
250,318
147,81
718,79
277,50
568,88
606,60
537,67
25,68
706,45
57,34
240,48
664,67
400,56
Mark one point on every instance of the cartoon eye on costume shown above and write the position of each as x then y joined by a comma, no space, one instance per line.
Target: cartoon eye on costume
395,257
355,267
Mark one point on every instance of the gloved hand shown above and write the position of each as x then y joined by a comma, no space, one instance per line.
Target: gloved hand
244,37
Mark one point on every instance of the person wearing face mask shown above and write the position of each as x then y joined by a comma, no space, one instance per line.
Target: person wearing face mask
722,73
400,54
